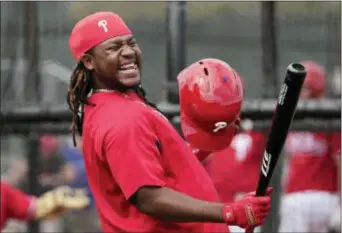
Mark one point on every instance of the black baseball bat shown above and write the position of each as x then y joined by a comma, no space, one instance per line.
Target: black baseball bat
281,123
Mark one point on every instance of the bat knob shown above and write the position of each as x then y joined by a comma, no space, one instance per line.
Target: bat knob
296,68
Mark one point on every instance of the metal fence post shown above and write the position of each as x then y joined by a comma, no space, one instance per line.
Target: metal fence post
269,49
32,157
11,83
175,46
270,80
33,94
32,50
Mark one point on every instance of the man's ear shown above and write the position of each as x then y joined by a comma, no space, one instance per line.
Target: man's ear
87,60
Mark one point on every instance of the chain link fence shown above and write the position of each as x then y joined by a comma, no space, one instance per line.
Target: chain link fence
226,30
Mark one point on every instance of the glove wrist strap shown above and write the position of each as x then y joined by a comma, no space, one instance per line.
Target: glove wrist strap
228,215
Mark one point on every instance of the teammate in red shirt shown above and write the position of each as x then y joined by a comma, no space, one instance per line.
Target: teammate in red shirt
143,176
17,205
310,189
243,154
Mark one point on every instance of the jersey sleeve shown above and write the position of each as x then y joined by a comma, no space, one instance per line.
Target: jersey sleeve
18,204
133,156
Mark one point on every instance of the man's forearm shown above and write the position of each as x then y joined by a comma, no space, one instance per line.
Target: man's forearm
170,205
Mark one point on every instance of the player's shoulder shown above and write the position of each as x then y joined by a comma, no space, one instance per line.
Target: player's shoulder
123,119
115,109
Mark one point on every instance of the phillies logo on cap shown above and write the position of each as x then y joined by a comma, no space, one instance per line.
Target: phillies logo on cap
219,126
103,24
85,36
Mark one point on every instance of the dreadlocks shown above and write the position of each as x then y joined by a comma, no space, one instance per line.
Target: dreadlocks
77,97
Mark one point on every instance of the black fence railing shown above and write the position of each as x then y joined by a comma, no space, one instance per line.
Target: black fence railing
258,109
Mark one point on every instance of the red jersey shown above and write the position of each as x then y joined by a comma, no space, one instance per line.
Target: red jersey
14,204
241,159
128,145
311,161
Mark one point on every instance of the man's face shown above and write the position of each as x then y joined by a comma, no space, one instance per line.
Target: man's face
116,61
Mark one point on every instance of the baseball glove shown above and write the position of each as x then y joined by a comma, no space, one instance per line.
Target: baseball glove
59,200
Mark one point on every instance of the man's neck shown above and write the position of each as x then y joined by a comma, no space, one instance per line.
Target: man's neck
113,86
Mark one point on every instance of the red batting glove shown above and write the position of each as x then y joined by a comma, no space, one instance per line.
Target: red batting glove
251,211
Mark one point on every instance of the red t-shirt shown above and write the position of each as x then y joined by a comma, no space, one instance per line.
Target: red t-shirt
311,161
14,204
128,145
235,170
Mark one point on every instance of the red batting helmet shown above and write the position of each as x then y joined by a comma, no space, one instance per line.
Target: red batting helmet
210,94
315,78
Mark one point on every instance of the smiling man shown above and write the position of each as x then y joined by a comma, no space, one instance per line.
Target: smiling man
143,176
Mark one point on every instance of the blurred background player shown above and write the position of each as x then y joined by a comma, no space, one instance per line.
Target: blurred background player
15,204
53,171
52,167
84,220
241,159
311,183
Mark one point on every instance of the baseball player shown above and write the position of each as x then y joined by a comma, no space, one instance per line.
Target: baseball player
17,205
310,188
143,176
243,154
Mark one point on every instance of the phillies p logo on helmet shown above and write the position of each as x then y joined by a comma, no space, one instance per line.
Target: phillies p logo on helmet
211,95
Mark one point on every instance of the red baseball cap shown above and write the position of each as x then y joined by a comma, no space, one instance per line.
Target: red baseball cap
93,30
